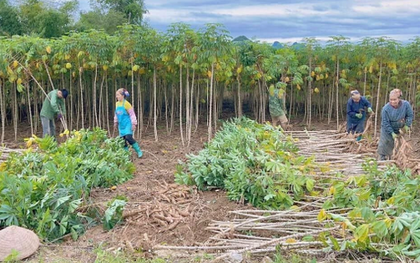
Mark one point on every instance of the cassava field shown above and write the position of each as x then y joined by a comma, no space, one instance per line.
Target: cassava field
163,221
217,183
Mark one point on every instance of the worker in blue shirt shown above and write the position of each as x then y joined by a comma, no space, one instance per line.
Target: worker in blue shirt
356,113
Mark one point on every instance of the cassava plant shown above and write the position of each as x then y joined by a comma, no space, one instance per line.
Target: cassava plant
254,162
44,188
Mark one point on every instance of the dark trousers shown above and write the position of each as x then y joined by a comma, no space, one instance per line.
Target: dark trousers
128,139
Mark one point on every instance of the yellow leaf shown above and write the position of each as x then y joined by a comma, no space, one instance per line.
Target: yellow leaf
295,208
68,66
314,193
388,222
113,188
298,86
316,90
332,190
362,233
19,81
239,70
322,215
29,142
48,49
291,241
105,67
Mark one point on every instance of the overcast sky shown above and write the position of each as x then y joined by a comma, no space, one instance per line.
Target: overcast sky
290,21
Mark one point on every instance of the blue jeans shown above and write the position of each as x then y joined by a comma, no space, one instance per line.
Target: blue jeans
48,127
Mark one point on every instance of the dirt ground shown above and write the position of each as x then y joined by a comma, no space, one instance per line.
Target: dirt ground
159,212
153,197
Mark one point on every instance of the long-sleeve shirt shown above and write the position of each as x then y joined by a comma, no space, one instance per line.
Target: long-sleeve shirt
53,105
395,118
357,107
129,109
277,103
125,117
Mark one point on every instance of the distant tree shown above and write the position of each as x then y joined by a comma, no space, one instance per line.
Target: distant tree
133,10
9,19
99,20
52,24
45,21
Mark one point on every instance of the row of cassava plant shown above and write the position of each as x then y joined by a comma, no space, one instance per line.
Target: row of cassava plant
184,76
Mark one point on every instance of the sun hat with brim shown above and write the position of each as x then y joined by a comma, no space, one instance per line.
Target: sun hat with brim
19,239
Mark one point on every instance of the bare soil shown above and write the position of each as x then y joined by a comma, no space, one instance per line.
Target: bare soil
152,195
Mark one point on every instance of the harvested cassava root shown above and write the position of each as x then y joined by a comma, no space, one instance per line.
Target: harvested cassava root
169,207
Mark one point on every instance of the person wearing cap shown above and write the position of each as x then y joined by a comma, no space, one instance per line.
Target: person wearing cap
397,116
277,105
356,113
52,107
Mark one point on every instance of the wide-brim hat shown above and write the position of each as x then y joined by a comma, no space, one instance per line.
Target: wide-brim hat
19,239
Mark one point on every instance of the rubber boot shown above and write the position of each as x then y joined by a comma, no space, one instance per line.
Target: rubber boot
358,138
136,147
126,148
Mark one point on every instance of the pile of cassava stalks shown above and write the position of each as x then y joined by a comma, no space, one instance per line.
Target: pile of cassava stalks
402,156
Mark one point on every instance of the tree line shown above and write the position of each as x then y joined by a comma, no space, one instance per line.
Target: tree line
48,19
183,76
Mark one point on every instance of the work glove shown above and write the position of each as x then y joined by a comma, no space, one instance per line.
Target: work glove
370,110
406,128
359,115
59,116
394,135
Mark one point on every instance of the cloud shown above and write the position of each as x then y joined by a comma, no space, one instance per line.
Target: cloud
289,19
